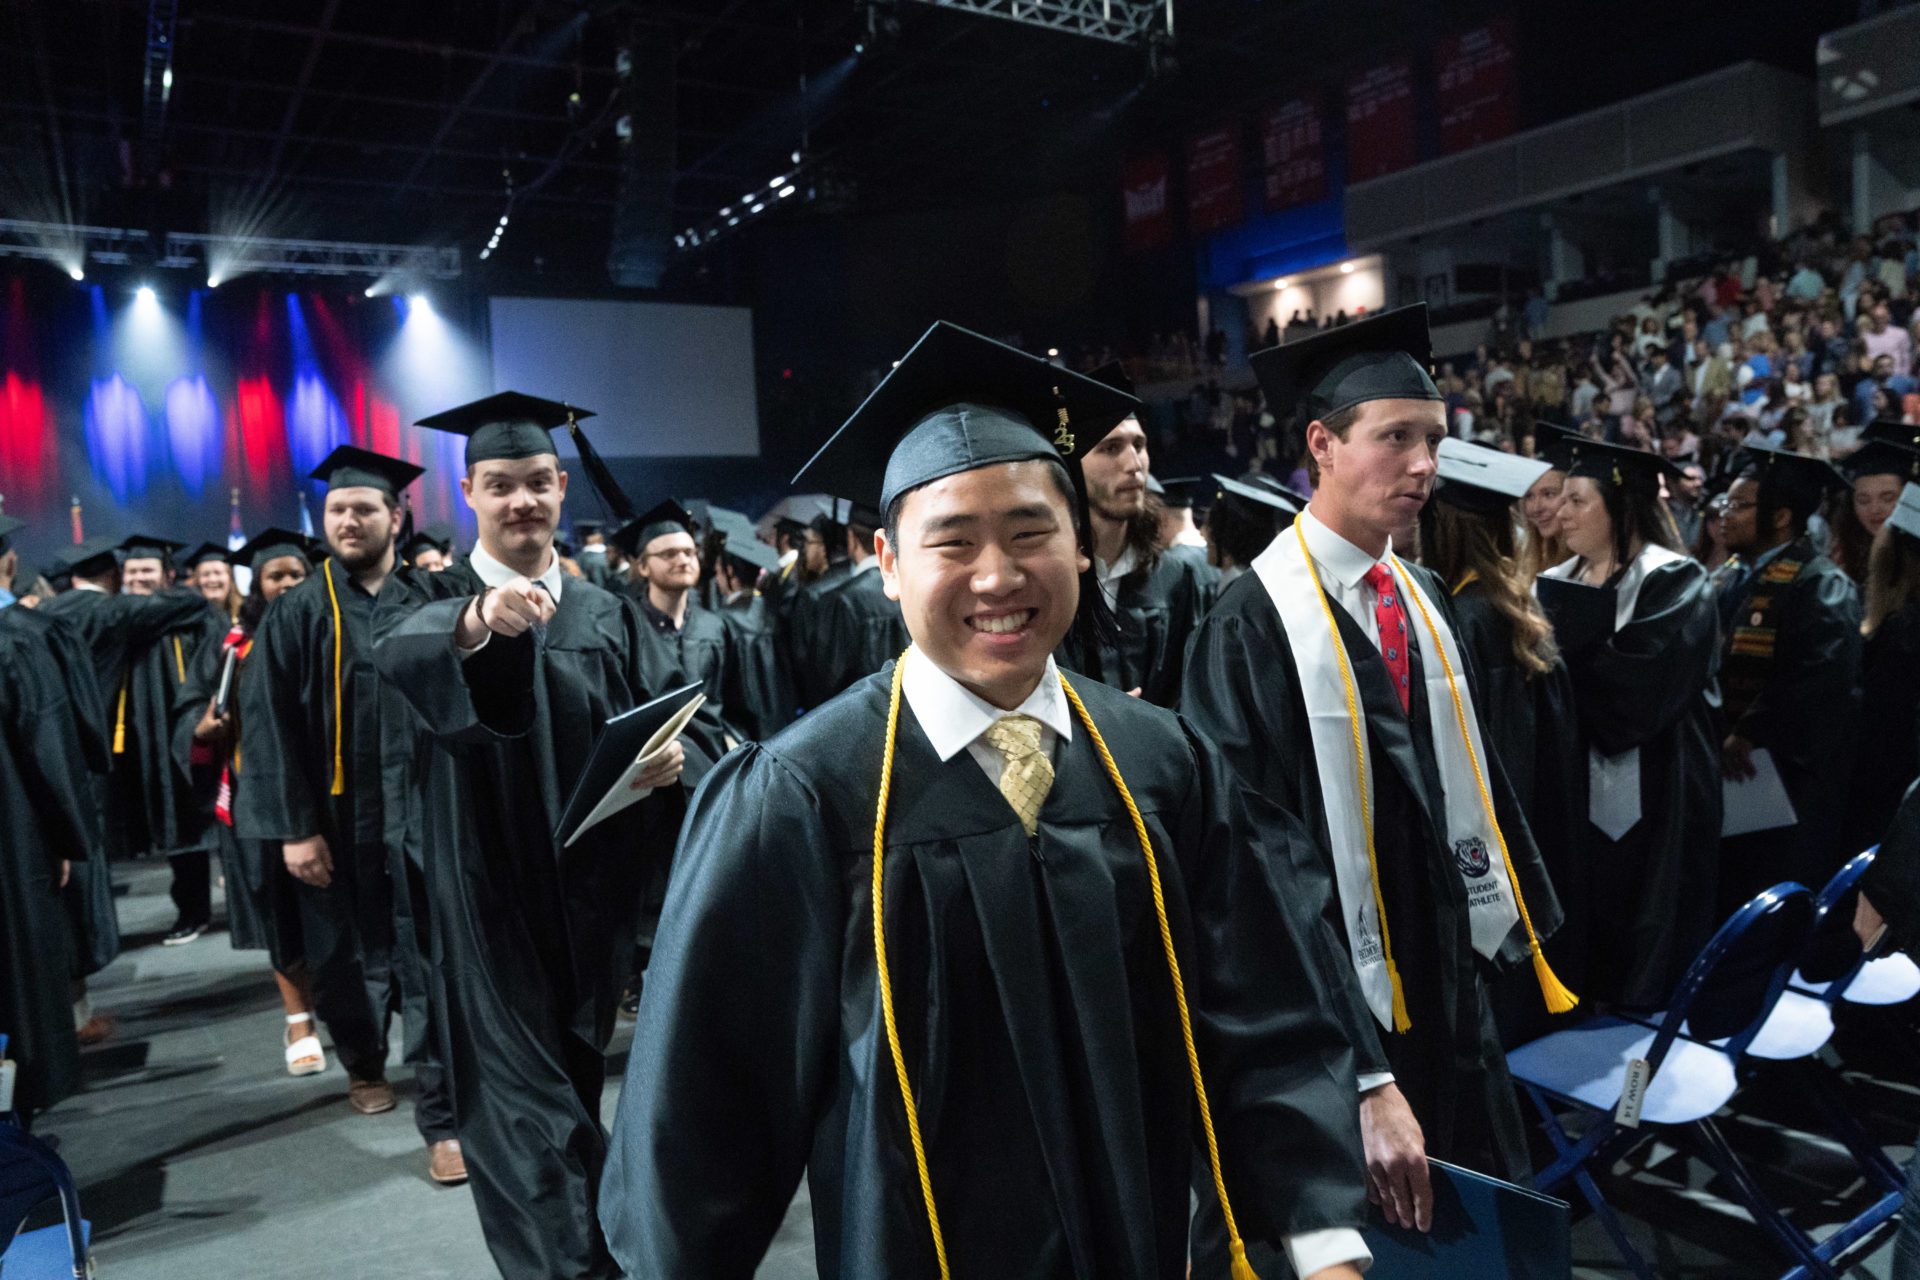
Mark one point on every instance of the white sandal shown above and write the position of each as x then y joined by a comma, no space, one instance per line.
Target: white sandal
305,1056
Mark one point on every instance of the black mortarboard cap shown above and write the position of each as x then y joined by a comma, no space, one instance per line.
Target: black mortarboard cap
666,517
271,544
144,546
1550,444
1797,480
351,468
1114,374
584,529
204,552
88,559
1273,485
957,402
1179,491
1891,431
743,544
1265,496
1384,357
1476,478
9,525
1881,458
1614,464
511,424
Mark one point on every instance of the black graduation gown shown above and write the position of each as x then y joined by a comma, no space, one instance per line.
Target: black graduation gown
864,630
1888,756
1528,722
1803,706
698,647
806,635
1197,556
1157,611
263,913
48,813
1650,901
531,944
112,627
1892,882
176,818
759,696
1035,1010
1242,691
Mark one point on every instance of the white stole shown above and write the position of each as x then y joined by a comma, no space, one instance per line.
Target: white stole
1492,912
1613,782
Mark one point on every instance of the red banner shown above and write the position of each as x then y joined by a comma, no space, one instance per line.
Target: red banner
1143,189
1214,198
1380,136
1475,82
1295,162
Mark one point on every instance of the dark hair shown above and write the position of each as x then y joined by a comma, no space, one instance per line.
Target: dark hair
1239,530
1635,510
1056,472
1852,544
1337,423
1892,579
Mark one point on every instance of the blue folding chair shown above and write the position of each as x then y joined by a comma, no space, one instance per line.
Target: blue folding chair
32,1173
1692,1055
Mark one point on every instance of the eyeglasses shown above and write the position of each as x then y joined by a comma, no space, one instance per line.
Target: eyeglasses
674,553
1748,505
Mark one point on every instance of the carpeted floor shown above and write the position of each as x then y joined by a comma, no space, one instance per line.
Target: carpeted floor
198,1157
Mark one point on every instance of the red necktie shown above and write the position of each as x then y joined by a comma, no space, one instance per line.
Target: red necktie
1392,617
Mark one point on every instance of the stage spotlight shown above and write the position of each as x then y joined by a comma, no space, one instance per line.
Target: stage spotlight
213,281
1053,353
726,213
145,295
420,302
1346,268
777,183
756,208
367,292
76,273
1279,284
796,157
786,191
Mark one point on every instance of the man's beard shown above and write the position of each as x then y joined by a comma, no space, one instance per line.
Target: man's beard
1121,515
360,563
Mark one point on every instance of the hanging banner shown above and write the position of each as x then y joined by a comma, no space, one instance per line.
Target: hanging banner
1380,127
1214,199
1293,159
1143,189
1475,86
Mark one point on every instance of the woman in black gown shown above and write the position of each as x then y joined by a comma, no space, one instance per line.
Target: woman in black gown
1644,687
1889,730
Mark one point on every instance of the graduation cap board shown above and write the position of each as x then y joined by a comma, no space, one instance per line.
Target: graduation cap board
201,554
627,745
662,519
1176,491
88,559
271,544
1882,458
1477,478
1891,431
1797,479
351,468
511,425
1481,1227
143,546
1384,357
1906,512
957,402
1614,464
1258,494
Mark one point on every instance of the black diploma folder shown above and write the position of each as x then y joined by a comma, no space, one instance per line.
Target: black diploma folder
624,739
1581,615
1483,1229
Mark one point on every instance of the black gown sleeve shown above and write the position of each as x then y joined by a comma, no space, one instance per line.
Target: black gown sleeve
285,796
51,757
734,1059
476,697
1279,1066
1632,687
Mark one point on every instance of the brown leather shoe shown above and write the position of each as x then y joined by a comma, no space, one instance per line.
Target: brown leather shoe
94,1029
370,1097
445,1164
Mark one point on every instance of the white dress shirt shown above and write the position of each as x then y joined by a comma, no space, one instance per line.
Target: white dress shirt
1343,575
495,574
1109,575
956,719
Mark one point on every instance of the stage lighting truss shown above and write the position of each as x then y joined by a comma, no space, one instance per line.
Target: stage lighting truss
223,257
1119,21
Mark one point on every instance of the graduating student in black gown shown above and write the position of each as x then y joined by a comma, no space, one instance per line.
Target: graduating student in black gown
1245,516
666,569
329,744
759,695
1430,1061
864,629
1155,600
1469,537
115,626
1038,1028
823,556
1887,758
1790,671
510,669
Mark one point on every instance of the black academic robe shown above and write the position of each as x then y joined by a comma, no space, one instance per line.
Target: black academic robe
1157,610
1197,556
759,695
1527,722
804,618
263,911
48,814
698,647
1887,758
1036,1014
863,629
113,626
532,944
176,820
1801,702
1892,882
1242,691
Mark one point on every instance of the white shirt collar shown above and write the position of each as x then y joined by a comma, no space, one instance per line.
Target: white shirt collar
1119,569
865,566
495,574
788,557
78,585
1347,563
953,716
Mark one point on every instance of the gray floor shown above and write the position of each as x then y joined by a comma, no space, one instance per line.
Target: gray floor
199,1157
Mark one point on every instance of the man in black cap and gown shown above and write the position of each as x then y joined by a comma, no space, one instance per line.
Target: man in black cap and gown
511,668
992,953
1789,672
666,571
863,628
759,697
1332,677
328,748
429,550
823,557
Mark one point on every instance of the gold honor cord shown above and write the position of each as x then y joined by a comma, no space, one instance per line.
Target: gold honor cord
120,719
1558,998
1400,1020
179,660
339,787
1241,1268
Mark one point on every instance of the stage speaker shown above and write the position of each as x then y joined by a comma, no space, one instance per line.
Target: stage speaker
642,238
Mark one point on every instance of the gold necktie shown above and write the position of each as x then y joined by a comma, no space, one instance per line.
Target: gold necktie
1028,775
